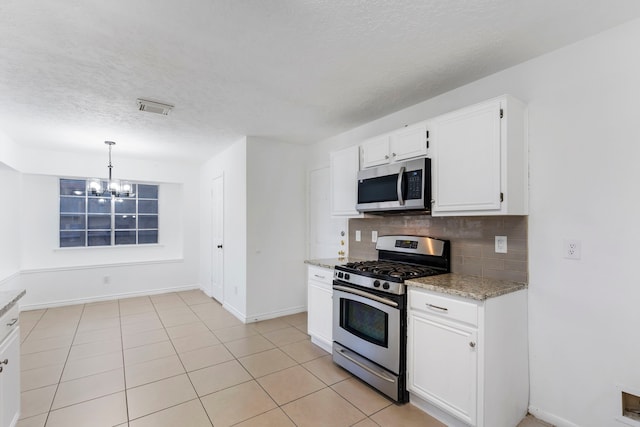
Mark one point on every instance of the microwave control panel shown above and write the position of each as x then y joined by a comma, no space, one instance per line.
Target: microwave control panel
414,184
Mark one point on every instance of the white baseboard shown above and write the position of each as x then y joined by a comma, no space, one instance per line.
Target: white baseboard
325,345
110,297
263,316
274,314
550,418
435,412
231,309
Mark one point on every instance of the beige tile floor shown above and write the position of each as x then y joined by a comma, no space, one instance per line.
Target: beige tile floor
180,359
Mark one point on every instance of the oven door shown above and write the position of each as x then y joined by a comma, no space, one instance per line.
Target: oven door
367,324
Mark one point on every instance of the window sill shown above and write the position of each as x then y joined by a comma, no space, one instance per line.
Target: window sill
76,248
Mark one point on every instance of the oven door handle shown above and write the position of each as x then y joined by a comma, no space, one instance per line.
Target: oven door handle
366,295
365,367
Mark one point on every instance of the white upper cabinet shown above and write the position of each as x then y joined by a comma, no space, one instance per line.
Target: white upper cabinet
343,166
375,151
409,142
402,144
480,160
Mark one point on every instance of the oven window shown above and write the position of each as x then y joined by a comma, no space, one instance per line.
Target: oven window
365,321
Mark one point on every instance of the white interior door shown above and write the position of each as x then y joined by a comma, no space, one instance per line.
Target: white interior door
217,239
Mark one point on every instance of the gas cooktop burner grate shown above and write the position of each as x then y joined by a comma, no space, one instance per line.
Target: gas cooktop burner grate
391,269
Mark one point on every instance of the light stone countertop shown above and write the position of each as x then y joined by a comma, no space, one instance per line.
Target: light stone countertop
8,299
472,287
330,262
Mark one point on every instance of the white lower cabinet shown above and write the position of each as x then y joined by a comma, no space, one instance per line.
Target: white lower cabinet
320,306
451,389
10,370
467,360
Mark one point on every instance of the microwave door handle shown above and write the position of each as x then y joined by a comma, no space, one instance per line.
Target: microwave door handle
399,186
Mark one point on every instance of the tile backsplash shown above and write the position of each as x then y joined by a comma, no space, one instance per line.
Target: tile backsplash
472,241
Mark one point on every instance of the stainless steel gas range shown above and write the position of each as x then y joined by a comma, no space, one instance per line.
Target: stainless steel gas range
370,309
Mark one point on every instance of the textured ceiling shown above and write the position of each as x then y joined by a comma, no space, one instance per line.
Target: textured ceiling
292,70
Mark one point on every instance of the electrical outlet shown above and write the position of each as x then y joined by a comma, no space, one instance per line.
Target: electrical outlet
501,244
374,236
358,235
572,249
106,280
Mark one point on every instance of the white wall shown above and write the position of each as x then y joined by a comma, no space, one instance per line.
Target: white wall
276,206
232,163
54,276
584,150
264,227
9,225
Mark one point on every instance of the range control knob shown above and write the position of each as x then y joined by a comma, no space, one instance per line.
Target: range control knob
385,285
346,276
340,275
376,283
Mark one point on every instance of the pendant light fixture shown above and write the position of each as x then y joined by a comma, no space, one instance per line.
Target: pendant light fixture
113,187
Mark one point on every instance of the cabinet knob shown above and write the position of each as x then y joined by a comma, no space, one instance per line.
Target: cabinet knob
4,362
393,154
472,344
1,368
386,157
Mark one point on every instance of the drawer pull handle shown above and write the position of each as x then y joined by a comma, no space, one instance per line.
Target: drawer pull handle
1,368
4,362
437,307
319,276
13,322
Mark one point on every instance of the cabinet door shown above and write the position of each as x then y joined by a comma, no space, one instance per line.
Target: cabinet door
320,313
466,147
10,379
375,151
409,142
344,165
442,367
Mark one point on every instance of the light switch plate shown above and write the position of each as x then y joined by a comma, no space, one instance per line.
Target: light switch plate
358,235
501,244
374,236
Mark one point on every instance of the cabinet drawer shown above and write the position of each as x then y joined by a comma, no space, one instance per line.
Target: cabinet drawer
449,308
9,322
320,274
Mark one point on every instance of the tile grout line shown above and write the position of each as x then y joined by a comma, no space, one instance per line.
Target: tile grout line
124,366
65,365
186,373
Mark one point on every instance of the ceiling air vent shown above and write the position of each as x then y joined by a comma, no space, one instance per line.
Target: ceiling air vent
154,107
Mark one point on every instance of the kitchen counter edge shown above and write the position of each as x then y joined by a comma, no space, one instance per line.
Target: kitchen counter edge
8,299
472,287
330,262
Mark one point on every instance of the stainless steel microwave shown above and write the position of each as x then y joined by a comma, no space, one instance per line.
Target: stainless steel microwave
397,187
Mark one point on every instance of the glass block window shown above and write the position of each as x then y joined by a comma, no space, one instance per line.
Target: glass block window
87,219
